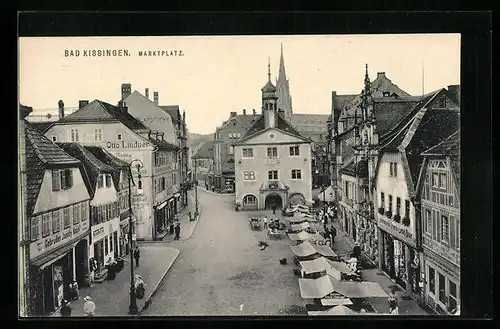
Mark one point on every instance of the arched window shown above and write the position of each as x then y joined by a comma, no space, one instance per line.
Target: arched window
250,199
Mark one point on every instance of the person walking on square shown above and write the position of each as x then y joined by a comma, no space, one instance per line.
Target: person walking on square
273,207
393,303
89,306
137,255
265,222
177,231
74,289
333,233
171,231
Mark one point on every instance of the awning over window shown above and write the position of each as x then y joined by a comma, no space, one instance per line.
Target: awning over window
46,260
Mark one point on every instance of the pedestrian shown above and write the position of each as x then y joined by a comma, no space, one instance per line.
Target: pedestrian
327,231
356,251
393,303
273,207
177,231
65,309
265,222
171,231
89,306
137,255
74,288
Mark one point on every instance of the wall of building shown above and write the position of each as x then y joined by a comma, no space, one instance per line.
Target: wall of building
23,224
48,199
104,194
225,136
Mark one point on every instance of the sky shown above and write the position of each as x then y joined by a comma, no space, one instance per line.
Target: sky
220,74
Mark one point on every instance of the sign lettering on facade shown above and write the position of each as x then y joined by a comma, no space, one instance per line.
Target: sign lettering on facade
98,232
155,120
126,145
397,231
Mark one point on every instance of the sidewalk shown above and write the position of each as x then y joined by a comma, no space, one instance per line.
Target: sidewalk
187,226
201,187
407,306
112,298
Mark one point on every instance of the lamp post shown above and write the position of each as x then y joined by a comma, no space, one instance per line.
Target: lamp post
195,187
324,188
132,309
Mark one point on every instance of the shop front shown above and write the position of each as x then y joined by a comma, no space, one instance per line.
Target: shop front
367,237
399,258
104,246
161,219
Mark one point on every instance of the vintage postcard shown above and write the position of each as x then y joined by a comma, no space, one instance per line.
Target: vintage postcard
312,175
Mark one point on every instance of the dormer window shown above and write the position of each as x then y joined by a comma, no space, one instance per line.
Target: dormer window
100,181
54,139
386,94
108,180
442,103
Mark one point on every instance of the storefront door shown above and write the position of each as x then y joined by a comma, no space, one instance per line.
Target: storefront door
48,291
99,254
115,244
400,263
388,264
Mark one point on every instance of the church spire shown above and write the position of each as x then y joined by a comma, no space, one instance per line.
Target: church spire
282,74
269,69
283,90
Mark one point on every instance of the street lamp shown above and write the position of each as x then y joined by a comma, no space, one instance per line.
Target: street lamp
195,187
133,309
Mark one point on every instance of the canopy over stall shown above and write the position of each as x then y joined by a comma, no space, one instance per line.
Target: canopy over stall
315,288
297,220
325,251
336,310
300,227
333,269
301,236
304,249
363,289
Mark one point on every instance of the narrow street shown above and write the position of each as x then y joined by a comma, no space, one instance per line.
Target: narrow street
222,271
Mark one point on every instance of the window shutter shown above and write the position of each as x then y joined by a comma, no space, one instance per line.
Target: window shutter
438,220
452,232
56,180
69,178
434,225
62,174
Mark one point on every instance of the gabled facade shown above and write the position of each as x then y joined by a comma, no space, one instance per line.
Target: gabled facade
57,207
111,127
203,162
229,132
438,191
272,160
399,162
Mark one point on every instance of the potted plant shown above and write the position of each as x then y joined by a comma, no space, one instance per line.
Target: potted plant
381,210
397,218
388,213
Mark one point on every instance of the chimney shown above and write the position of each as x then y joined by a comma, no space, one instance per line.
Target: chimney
81,104
61,109
233,114
155,97
244,111
381,75
454,90
146,93
254,113
26,110
269,115
126,90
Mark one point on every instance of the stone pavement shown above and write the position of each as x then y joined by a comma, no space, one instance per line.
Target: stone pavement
112,297
201,186
406,306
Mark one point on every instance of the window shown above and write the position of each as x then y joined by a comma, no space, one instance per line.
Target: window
445,229
231,149
76,214
35,228
272,152
442,288
100,181
248,175
393,169
272,175
250,199
382,200
296,174
432,280
162,182
426,189
108,180
56,180
54,139
407,208
453,299
390,203
453,236
428,219
294,151
73,138
442,103
247,153
56,221
398,206
119,137
386,94
83,212
434,225
435,180
450,200
230,135
98,135
109,211
46,225
238,135
442,180
106,249
66,179
66,219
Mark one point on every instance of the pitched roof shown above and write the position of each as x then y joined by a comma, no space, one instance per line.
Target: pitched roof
103,112
281,124
42,126
340,100
353,168
163,145
304,118
41,154
173,111
206,151
109,159
390,111
92,165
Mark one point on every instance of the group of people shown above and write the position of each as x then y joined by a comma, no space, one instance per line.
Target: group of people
175,228
330,233
88,307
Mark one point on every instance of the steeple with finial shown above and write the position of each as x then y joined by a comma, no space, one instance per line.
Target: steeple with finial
366,94
269,91
283,90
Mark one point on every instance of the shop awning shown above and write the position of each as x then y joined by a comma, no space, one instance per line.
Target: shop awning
315,288
314,266
177,195
327,195
325,251
303,249
161,205
358,289
336,310
301,236
46,260
297,220
300,227
335,301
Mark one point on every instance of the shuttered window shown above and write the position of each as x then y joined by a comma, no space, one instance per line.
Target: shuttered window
438,228
452,232
434,225
66,217
108,180
83,212
56,221
46,225
56,180
35,227
76,214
